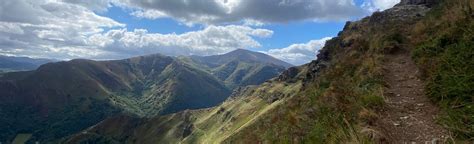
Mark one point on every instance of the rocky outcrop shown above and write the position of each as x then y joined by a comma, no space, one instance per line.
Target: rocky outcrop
288,75
419,2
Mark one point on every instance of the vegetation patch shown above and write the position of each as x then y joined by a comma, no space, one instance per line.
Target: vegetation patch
446,58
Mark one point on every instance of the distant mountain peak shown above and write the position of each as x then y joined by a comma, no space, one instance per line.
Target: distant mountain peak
241,51
11,63
244,55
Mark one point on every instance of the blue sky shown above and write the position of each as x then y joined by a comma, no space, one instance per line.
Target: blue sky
291,30
284,34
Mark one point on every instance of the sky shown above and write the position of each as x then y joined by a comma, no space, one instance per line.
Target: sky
290,30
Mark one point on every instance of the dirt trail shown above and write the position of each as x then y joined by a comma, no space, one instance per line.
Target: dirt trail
409,115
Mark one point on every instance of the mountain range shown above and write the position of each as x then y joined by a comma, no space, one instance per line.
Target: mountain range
9,63
63,97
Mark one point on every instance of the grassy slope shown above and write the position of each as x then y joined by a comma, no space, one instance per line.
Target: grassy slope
238,68
205,126
341,105
444,51
241,73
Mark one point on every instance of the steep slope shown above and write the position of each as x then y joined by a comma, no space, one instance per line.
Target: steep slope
348,95
197,126
357,92
444,52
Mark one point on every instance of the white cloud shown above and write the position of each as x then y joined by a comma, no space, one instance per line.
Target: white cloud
251,22
209,41
65,29
299,54
48,28
40,27
379,5
70,29
149,14
96,5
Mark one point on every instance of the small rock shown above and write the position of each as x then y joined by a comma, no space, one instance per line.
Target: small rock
396,124
398,95
404,118
420,104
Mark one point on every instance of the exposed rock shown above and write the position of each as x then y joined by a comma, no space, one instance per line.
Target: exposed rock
187,130
242,91
405,13
428,3
322,62
288,74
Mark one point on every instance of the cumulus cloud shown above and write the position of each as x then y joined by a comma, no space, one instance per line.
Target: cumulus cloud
67,29
230,11
96,5
48,28
71,29
379,5
209,41
298,54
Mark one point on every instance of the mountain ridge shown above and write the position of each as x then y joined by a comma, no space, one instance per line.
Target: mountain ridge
241,55
9,63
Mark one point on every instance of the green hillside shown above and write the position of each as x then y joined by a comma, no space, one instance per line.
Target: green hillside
240,67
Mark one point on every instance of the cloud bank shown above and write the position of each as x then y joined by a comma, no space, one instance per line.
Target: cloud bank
229,11
209,41
71,29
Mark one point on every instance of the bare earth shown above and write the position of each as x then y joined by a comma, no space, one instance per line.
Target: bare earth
409,115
